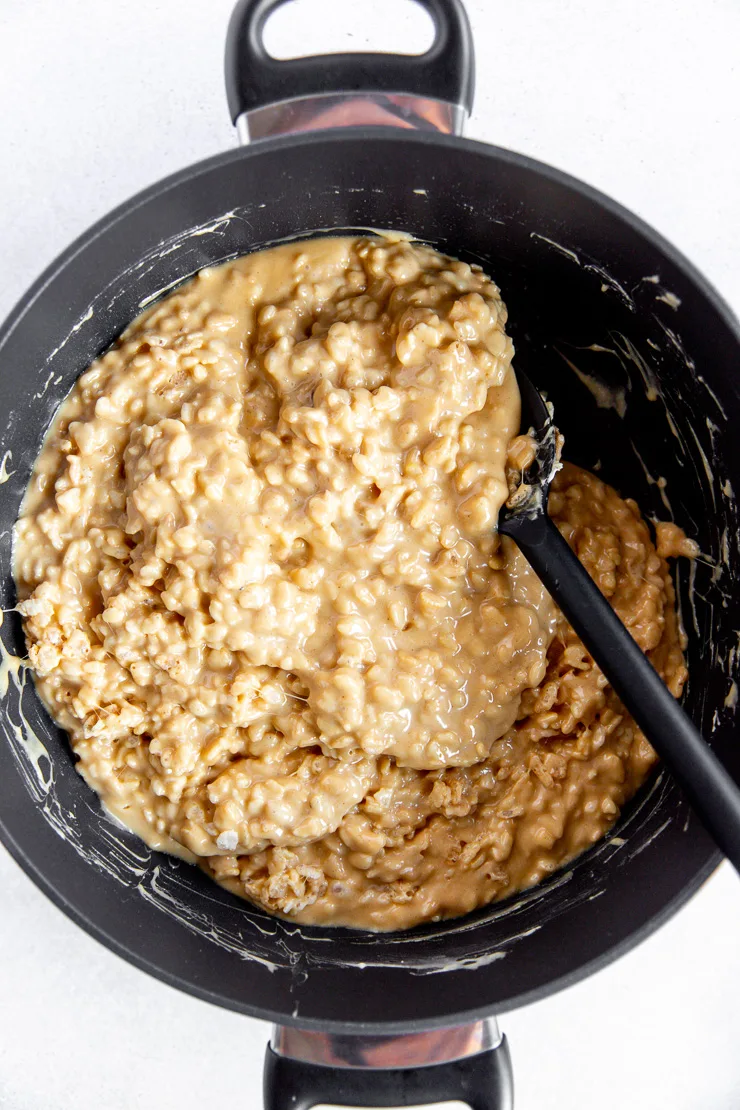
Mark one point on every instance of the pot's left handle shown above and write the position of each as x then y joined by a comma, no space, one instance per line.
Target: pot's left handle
304,1069
270,97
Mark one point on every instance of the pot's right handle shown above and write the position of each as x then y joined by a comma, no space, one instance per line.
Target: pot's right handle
483,1081
443,75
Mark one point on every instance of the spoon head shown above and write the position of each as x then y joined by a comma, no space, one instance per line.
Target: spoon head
538,419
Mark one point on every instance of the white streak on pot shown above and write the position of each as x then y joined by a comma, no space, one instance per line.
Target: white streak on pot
709,472
37,396
72,331
557,246
676,343
708,389
5,474
161,890
26,746
654,836
660,482
628,351
664,295
676,433
432,965
692,592
610,284
625,351
606,397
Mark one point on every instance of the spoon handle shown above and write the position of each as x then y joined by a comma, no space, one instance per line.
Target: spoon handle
710,789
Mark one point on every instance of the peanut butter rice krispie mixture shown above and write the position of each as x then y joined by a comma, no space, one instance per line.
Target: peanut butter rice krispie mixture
263,592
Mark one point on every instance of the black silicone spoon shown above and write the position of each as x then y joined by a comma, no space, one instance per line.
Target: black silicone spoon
710,789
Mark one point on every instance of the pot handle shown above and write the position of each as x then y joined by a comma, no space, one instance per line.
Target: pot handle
395,89
483,1081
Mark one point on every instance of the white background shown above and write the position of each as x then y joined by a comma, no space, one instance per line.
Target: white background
100,98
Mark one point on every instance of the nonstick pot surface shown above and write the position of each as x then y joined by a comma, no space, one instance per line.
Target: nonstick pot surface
587,286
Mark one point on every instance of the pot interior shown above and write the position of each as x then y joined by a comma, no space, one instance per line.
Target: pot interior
639,360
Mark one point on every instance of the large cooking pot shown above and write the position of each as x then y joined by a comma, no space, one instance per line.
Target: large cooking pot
641,359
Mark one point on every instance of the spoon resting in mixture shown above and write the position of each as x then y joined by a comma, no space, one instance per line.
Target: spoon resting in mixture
711,790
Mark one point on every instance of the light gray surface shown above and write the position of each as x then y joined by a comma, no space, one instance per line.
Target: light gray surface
97,100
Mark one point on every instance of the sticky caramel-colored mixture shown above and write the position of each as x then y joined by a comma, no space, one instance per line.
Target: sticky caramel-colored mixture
263,592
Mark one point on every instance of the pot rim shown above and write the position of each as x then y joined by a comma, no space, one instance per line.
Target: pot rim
369,134
295,143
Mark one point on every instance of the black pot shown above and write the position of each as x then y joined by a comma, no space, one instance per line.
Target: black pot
588,286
